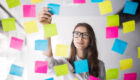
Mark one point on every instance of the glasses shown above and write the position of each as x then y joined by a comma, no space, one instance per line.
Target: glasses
77,34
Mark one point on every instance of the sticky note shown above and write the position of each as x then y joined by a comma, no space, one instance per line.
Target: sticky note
75,79
30,27
93,78
138,52
96,1
13,3
41,45
126,64
61,50
130,76
16,43
50,30
36,1
29,10
105,7
49,79
119,46
61,70
81,66
130,7
129,26
111,32
8,24
54,8
41,66
79,1
113,20
16,70
112,73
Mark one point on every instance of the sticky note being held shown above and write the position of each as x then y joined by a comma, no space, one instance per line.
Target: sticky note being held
61,50
61,70
16,43
129,26
111,32
81,66
41,66
8,24
126,64
29,10
41,45
105,7
36,1
30,27
96,1
13,3
130,76
112,73
79,1
93,78
50,30
130,7
138,52
16,70
54,8
119,46
113,20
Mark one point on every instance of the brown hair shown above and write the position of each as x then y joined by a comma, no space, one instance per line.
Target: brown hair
91,53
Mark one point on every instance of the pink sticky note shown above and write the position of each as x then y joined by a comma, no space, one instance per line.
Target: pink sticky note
130,76
93,78
29,10
79,1
41,66
111,32
16,43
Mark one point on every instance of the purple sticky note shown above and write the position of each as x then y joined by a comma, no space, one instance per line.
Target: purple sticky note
29,10
111,32
41,66
79,1
16,43
130,76
93,78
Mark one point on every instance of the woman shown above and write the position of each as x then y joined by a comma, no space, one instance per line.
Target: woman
83,46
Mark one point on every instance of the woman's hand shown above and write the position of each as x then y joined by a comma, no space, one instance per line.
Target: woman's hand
45,16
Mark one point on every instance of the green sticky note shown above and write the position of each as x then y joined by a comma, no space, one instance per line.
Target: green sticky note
13,3
112,73
113,20
8,24
138,52
50,30
61,70
129,26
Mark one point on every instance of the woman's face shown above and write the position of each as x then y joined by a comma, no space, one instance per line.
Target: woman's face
81,37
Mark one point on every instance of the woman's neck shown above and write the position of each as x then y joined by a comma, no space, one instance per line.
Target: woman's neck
80,54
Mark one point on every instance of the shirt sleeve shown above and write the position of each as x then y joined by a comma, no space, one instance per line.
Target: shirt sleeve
102,74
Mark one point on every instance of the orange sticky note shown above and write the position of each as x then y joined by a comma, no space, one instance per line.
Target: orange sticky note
105,7
126,64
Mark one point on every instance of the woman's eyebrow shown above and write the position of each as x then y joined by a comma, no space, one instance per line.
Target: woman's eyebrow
80,31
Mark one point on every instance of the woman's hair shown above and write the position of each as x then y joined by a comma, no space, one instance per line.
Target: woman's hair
91,53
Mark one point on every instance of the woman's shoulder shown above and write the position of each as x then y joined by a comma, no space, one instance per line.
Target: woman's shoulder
101,63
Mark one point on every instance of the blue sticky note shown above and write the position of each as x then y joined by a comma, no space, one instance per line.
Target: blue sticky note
81,66
16,70
54,8
41,45
130,7
119,46
49,79
96,1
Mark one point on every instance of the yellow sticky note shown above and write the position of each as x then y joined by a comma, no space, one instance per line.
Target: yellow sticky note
61,50
128,26
30,27
50,30
61,70
105,7
36,1
126,64
113,20
8,24
138,52
75,79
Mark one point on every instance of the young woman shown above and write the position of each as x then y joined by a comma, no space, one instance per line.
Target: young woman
83,46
